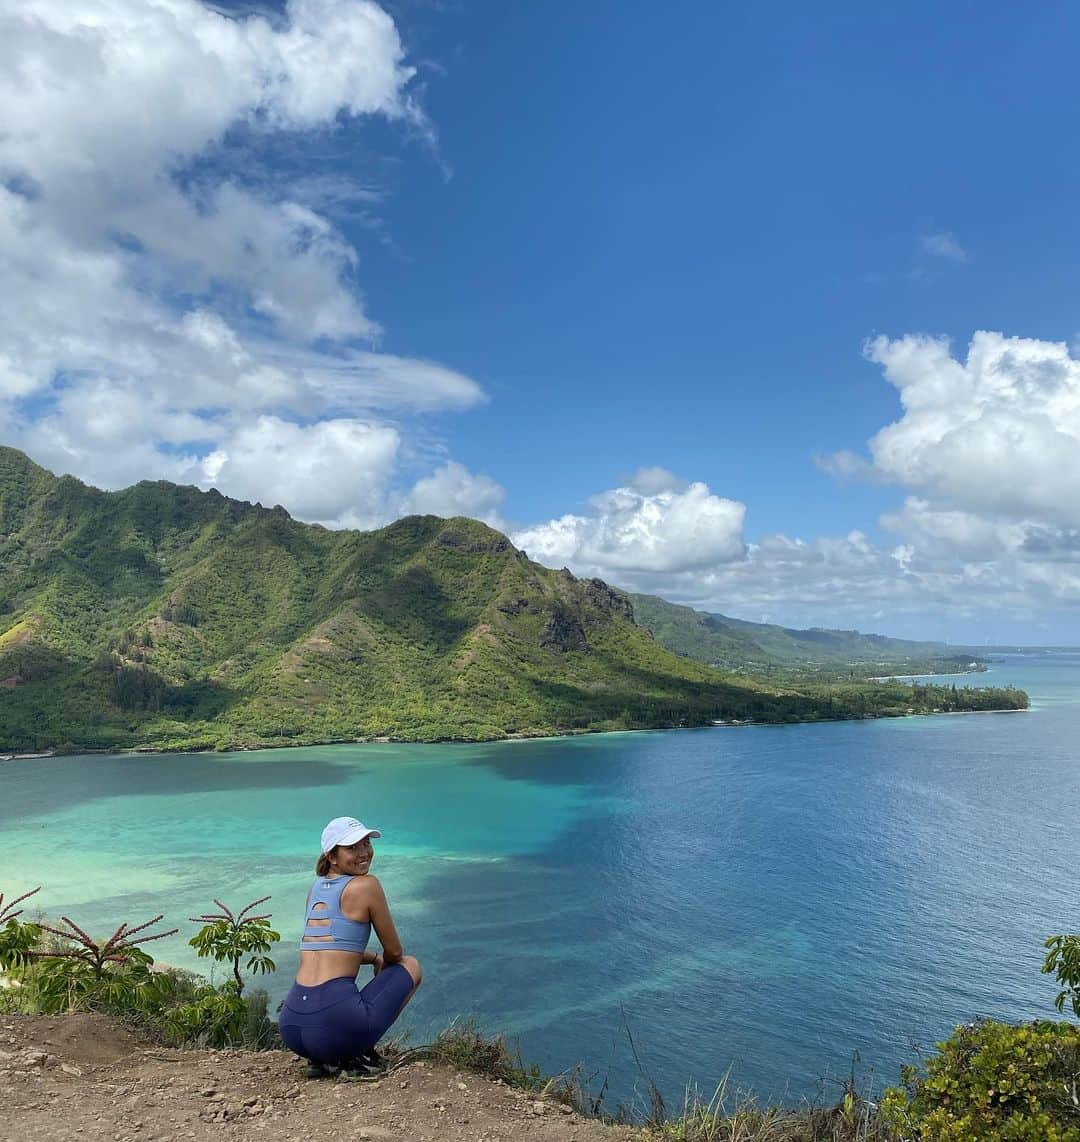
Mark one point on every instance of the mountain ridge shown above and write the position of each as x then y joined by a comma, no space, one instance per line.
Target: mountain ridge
720,640
166,617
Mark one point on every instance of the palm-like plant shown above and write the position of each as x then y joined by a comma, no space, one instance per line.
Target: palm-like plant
112,974
17,938
228,937
119,948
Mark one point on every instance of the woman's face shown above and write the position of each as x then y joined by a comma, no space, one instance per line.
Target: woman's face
353,860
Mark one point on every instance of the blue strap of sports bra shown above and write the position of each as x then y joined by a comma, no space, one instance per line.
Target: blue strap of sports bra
341,934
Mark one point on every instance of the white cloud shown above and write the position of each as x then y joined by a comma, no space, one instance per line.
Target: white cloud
997,434
954,572
453,490
158,309
654,481
948,533
943,244
850,582
322,472
631,531
988,448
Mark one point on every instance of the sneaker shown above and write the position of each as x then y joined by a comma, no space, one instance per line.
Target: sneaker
320,1070
364,1066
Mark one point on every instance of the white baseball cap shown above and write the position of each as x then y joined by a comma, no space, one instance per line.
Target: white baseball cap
345,831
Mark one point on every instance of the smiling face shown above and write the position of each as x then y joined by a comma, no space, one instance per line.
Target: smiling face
352,860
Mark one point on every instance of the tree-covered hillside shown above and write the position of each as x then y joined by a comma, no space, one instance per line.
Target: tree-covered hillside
167,617
766,649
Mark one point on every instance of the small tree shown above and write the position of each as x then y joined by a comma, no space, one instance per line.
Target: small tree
228,937
112,974
17,939
1063,959
119,948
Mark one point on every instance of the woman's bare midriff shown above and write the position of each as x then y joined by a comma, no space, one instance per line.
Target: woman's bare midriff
318,967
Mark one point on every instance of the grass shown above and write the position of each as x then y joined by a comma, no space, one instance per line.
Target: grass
737,1117
727,1115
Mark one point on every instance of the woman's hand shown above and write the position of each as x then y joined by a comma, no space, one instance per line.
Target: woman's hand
377,964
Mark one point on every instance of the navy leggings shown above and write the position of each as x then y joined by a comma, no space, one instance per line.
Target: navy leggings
333,1022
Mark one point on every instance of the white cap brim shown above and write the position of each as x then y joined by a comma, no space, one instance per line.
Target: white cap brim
354,835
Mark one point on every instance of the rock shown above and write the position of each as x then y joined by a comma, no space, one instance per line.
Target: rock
71,1069
566,1109
208,1092
462,1086
375,1134
472,537
563,631
607,599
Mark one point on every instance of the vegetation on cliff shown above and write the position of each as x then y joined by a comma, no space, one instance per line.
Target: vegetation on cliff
784,653
990,1080
170,618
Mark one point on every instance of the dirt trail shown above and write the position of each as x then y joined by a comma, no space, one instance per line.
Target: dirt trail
81,1078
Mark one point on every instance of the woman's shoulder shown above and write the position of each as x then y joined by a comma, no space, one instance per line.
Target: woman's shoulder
363,884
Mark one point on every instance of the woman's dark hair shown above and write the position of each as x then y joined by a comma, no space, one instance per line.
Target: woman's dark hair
322,865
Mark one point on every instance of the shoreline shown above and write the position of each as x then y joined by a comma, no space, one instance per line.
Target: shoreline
717,724
915,677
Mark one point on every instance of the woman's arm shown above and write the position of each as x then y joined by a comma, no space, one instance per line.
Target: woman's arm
383,923
368,894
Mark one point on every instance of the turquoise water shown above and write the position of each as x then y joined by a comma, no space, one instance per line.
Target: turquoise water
768,899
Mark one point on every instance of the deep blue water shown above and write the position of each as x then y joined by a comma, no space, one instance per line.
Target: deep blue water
765,899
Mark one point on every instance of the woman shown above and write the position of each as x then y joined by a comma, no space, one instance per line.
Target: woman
324,1017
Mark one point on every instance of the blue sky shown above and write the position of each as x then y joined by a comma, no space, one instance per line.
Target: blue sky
660,291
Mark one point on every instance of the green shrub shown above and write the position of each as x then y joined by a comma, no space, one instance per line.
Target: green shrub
127,989
993,1081
221,1017
228,937
1063,959
17,938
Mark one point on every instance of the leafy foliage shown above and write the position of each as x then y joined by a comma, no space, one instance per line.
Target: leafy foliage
220,1017
1063,959
57,970
87,974
60,983
228,937
17,939
993,1081
95,955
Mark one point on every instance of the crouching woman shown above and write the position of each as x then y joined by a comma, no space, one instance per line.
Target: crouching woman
326,1018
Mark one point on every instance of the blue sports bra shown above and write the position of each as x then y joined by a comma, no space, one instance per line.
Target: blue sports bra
345,935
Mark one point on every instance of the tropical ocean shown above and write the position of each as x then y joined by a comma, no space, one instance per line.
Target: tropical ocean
764,899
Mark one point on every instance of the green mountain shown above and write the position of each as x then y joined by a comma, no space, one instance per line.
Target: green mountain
167,617
763,648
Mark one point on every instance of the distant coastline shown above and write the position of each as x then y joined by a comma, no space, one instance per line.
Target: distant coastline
915,677
719,723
